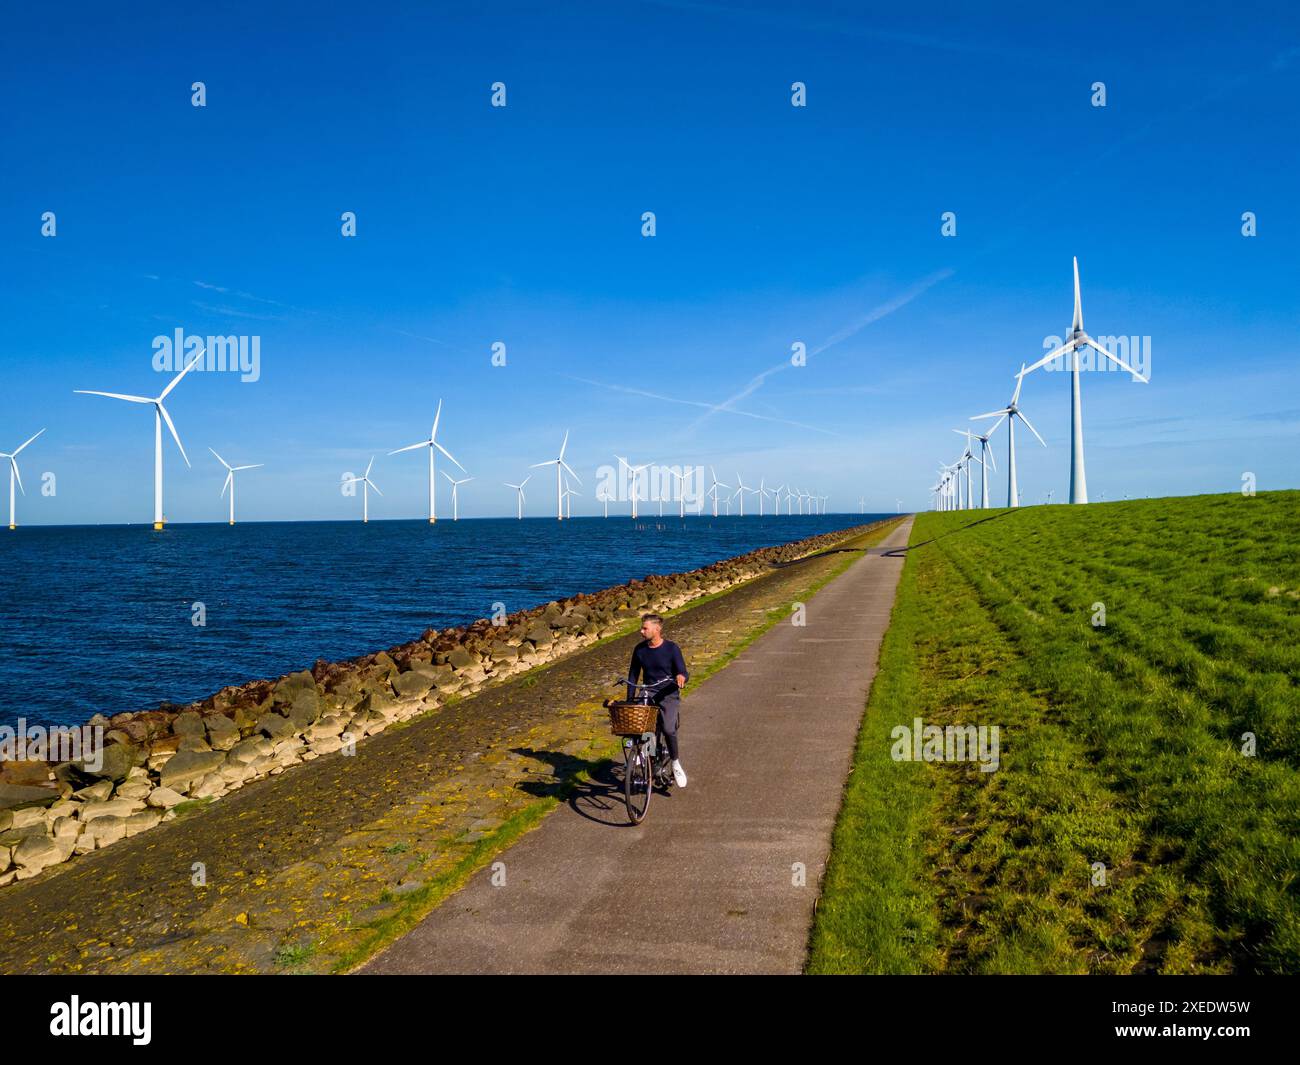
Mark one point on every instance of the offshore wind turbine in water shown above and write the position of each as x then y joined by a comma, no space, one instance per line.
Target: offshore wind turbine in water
230,480
432,443
160,415
366,484
560,467
1077,341
12,456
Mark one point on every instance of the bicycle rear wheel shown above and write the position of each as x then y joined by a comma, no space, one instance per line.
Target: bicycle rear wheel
638,781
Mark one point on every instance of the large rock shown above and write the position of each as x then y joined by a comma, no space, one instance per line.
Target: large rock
118,760
412,685
251,750
164,798
275,727
190,723
186,767
15,796
304,709
540,634
34,854
459,658
223,733
112,808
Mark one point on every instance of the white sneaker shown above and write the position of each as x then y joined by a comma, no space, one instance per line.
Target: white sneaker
679,774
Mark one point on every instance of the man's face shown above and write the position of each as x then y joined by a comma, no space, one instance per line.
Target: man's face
650,630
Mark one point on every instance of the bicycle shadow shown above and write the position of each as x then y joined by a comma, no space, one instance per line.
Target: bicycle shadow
598,798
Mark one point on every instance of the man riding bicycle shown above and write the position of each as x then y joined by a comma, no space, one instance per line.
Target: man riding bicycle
655,659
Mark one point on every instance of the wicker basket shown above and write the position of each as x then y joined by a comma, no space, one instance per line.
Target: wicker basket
632,719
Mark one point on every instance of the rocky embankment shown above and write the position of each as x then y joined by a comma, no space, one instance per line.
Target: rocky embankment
155,760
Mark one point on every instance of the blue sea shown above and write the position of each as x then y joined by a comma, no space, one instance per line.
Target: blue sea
101,618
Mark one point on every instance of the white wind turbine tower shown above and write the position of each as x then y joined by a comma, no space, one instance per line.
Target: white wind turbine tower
713,491
230,480
560,465
967,457
569,493
680,478
160,415
366,484
761,492
604,498
985,460
633,472
1078,340
432,443
1011,412
519,488
741,489
455,484
862,504
15,475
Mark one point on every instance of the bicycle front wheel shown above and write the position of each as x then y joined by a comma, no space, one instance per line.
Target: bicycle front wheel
638,782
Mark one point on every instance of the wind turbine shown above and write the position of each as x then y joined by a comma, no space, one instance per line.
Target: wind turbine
633,471
366,484
432,443
230,480
568,494
559,464
15,475
761,492
520,489
741,489
681,491
455,484
160,415
1011,412
713,491
1078,340
985,460
967,457
862,504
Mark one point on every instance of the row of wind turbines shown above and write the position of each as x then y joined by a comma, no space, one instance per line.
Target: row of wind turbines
953,490
564,491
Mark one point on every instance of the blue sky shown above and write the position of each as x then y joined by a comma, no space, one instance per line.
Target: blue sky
522,224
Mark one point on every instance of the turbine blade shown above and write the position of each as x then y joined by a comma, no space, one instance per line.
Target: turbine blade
113,395
570,469
548,462
564,443
255,466
373,485
433,434
991,414
450,456
1064,349
1077,325
1115,359
411,447
525,480
177,379
226,483
219,458
14,463
175,435
369,465
1031,428
27,441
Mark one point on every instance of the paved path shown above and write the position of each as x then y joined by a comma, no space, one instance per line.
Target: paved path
706,883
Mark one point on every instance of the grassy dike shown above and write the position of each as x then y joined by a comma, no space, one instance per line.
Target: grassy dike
1126,651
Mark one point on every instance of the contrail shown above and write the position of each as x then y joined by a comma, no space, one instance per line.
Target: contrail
874,315
698,403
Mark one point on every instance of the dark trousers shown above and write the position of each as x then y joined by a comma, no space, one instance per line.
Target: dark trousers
668,712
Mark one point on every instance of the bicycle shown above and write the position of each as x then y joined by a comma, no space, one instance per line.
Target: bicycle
646,762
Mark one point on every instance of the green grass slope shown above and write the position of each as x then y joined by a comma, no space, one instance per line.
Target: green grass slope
1126,830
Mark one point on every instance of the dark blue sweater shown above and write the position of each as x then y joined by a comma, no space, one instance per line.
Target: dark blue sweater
653,664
